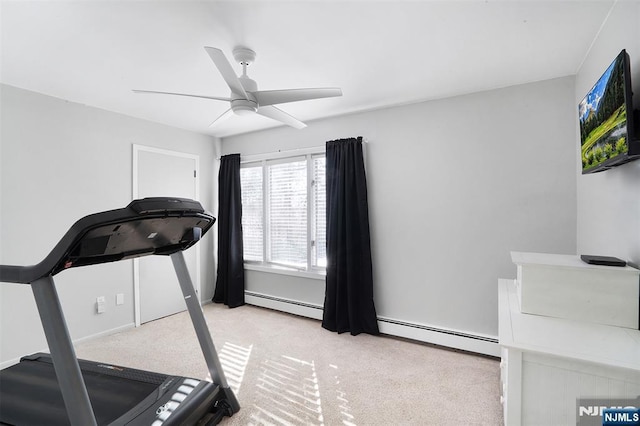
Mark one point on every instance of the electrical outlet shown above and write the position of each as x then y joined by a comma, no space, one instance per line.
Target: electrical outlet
120,299
100,305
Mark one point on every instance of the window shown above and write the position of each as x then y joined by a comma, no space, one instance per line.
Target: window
284,212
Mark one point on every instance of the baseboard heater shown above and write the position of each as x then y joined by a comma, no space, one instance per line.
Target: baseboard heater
477,343
439,330
282,300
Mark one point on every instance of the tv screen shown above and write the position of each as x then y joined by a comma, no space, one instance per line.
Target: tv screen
605,115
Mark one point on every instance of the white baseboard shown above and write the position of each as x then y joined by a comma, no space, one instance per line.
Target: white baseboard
105,333
125,327
467,341
9,363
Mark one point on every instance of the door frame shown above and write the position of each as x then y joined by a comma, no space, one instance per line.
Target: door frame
136,149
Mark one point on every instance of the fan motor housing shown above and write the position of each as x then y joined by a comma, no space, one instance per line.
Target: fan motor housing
248,105
249,84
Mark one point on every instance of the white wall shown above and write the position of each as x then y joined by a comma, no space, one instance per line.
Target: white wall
60,161
609,202
454,185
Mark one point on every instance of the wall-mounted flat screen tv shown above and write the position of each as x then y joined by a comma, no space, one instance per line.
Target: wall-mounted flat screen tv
606,115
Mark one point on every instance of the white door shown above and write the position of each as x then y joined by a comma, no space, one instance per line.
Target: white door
160,173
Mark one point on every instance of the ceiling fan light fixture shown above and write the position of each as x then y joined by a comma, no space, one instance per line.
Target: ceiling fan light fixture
244,106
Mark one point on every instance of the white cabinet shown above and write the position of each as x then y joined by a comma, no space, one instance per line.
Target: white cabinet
548,363
563,286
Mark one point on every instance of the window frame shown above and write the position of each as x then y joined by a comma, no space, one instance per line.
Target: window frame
263,161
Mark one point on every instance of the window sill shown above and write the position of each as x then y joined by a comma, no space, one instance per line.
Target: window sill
316,275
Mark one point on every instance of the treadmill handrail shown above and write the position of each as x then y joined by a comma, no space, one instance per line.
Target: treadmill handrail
138,211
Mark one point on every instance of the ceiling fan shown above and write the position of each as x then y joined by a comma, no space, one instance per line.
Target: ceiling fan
246,99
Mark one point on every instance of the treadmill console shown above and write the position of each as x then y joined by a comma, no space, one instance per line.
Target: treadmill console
148,226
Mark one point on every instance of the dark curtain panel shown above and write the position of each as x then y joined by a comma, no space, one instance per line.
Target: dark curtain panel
348,303
230,282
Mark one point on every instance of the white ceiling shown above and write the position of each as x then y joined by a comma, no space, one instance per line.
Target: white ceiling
380,53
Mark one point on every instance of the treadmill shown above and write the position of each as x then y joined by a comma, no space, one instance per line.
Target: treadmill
59,389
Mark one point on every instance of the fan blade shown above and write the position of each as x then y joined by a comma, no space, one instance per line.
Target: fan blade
228,113
217,98
279,115
271,97
226,71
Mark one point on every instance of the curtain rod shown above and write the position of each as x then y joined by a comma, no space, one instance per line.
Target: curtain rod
285,153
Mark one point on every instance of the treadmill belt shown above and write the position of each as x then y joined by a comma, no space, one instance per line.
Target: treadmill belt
111,393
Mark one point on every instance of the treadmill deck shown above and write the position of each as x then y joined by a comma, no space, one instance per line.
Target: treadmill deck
113,390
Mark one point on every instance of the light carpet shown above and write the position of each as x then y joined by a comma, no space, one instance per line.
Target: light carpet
288,370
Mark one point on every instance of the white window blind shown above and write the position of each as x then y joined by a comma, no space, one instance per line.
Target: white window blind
284,212
252,212
287,214
319,230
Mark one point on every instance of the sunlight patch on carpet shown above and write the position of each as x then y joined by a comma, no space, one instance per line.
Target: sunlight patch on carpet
341,400
288,393
234,360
